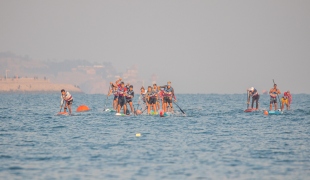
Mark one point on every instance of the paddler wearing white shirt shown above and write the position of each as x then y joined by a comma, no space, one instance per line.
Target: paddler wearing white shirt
255,96
67,99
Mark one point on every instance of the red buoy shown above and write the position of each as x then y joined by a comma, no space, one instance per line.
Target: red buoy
82,108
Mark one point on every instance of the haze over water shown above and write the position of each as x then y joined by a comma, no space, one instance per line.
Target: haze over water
221,45
216,140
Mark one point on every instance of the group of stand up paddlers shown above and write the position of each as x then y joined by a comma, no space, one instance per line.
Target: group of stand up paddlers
274,93
155,99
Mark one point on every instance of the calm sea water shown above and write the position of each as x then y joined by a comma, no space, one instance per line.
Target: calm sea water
215,140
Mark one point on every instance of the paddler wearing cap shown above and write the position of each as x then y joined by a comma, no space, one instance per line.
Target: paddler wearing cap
67,99
273,97
129,96
168,93
286,100
255,96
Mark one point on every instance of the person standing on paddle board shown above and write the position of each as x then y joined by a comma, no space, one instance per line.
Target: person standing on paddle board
122,90
129,96
66,98
151,97
143,94
274,92
115,93
285,101
156,91
289,97
168,94
255,96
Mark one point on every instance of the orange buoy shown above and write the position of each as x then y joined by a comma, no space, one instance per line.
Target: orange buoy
82,108
266,112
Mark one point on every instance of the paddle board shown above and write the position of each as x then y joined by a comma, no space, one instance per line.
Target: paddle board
164,114
121,114
277,112
63,114
109,110
250,110
152,113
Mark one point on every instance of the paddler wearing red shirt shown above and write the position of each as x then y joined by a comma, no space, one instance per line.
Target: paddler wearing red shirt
286,100
67,99
122,91
160,97
274,92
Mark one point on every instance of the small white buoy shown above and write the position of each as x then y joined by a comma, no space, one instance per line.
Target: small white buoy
138,135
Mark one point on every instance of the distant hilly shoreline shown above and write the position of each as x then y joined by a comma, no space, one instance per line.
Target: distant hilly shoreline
31,85
91,78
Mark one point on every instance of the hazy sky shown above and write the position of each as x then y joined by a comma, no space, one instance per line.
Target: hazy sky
201,46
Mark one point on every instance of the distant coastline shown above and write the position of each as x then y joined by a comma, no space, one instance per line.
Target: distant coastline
32,85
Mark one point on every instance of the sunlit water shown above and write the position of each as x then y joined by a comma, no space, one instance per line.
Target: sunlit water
215,140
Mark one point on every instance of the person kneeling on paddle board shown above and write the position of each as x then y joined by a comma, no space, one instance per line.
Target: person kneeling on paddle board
129,95
121,97
285,101
255,96
168,94
67,99
273,97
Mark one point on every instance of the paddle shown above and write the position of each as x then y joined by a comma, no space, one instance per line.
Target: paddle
277,94
179,107
248,99
144,110
61,107
61,104
105,105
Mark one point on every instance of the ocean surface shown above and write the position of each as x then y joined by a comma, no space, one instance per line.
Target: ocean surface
215,140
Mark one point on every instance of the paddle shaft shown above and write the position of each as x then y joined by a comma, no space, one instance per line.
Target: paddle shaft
105,105
248,99
144,109
61,107
179,107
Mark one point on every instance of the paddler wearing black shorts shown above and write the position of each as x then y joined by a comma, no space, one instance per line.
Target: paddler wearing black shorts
274,92
168,94
122,90
129,96
151,99
156,91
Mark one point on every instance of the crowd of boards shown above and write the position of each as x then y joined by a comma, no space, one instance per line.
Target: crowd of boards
162,97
